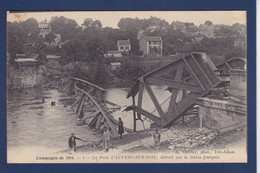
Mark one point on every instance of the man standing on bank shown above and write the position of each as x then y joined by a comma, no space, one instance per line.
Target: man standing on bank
72,143
120,127
156,138
106,139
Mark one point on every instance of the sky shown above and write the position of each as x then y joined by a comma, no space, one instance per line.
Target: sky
111,18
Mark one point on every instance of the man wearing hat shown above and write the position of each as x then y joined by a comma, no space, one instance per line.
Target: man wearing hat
106,139
72,143
120,127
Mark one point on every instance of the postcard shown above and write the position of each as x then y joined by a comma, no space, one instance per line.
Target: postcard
127,87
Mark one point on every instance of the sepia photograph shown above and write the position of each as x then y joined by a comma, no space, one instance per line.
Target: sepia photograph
126,87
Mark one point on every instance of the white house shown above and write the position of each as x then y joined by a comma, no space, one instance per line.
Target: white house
123,45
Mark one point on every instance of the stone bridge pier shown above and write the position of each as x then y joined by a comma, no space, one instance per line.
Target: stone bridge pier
221,113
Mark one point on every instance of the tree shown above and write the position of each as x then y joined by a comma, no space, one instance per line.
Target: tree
209,23
87,45
90,23
72,51
50,37
156,26
225,31
130,24
63,26
20,34
15,40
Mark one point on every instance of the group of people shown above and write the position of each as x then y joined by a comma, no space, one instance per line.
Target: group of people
107,137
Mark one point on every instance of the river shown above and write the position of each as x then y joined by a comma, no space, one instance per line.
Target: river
34,125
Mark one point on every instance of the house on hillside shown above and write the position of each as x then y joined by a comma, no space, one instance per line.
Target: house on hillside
151,45
23,60
113,53
124,46
44,28
115,65
186,28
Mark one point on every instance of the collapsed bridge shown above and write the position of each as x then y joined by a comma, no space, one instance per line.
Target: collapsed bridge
90,104
187,78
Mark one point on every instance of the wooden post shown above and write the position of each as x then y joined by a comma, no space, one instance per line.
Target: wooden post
75,89
134,114
81,105
140,98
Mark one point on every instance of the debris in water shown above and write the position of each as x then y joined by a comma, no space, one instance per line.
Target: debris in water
53,103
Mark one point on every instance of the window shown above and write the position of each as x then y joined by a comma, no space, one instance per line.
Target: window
127,48
121,47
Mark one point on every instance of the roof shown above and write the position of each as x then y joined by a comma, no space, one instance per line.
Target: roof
123,42
25,60
52,57
152,38
113,52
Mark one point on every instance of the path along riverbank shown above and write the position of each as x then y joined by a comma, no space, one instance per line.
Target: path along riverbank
179,137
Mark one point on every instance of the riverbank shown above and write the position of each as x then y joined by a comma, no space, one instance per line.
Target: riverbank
179,137
116,143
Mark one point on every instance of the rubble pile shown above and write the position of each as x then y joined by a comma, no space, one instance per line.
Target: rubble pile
175,138
190,119
189,138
